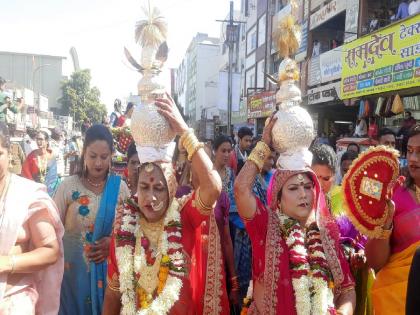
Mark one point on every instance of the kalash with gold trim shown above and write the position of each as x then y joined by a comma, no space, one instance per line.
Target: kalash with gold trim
151,35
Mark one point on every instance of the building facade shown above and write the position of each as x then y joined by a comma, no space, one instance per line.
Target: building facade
196,86
40,73
329,29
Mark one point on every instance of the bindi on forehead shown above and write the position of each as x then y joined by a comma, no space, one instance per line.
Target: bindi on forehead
151,179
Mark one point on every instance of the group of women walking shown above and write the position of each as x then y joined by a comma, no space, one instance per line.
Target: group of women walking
146,245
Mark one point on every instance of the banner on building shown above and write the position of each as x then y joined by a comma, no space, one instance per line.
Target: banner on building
330,64
261,104
302,52
326,12
325,93
387,60
314,72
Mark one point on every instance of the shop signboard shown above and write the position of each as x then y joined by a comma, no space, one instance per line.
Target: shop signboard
314,72
387,60
261,104
326,12
323,94
330,64
302,52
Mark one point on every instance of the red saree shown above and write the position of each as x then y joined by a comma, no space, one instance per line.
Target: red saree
271,254
195,227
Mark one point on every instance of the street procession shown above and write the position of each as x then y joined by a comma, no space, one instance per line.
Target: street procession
194,157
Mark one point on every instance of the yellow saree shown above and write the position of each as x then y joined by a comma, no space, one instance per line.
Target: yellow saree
390,288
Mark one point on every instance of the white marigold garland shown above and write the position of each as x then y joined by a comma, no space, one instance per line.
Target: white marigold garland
312,292
129,264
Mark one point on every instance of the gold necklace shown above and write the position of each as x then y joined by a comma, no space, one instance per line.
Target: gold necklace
152,230
94,184
42,167
149,275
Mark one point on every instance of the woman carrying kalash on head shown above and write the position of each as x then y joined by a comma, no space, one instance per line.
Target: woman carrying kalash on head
298,265
150,260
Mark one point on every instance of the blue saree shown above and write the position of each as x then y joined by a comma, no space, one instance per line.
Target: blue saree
84,283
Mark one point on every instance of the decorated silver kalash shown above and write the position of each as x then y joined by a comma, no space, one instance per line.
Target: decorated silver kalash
151,35
293,132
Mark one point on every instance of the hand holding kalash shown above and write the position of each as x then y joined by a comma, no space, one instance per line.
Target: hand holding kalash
148,272
298,264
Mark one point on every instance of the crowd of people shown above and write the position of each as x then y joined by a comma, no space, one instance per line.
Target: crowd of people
214,230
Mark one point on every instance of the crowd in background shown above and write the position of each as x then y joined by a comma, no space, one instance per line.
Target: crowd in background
78,174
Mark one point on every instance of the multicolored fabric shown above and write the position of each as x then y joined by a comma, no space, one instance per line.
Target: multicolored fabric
81,210
367,185
31,170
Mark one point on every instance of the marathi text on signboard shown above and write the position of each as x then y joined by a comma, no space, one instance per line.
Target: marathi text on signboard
261,104
325,93
387,60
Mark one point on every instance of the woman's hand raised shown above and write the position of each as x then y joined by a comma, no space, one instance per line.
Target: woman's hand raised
168,109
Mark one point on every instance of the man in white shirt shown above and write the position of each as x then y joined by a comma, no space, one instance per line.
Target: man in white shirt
29,141
414,7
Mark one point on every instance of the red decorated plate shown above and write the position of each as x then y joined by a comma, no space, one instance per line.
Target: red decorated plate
367,186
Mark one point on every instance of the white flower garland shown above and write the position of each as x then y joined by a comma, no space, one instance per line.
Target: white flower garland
129,264
322,300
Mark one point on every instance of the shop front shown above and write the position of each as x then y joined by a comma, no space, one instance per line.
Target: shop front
261,106
381,73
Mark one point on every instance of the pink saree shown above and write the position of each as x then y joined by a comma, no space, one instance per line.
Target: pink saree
38,292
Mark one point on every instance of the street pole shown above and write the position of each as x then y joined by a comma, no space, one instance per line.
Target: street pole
231,42
33,80
33,74
232,36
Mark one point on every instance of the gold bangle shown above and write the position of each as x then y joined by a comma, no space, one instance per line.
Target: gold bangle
190,142
185,135
199,204
259,154
385,233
